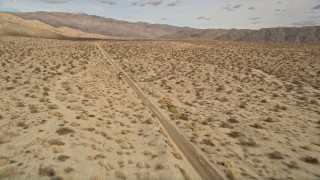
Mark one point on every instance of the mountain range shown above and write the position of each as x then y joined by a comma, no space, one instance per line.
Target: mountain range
90,25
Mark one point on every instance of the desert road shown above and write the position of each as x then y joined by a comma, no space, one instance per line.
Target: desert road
199,163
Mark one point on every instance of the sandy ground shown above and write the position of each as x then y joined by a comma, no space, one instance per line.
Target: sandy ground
64,114
252,109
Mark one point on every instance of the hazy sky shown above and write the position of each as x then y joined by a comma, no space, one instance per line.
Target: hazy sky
253,14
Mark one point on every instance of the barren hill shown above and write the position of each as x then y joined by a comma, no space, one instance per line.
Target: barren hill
16,26
100,25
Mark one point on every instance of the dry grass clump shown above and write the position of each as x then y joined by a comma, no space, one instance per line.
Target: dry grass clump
108,166
127,145
257,126
248,142
242,104
56,142
64,131
22,124
68,169
207,150
141,165
208,142
57,149
276,155
20,104
46,171
99,156
310,160
230,171
33,109
63,158
233,120
226,125
52,106
278,107
292,165
184,172
177,155
166,103
235,134
159,167
121,174
315,102
74,124
269,120
43,100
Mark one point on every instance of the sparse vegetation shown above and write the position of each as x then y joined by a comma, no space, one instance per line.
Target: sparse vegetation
238,103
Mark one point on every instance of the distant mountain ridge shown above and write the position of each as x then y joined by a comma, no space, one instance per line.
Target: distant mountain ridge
112,27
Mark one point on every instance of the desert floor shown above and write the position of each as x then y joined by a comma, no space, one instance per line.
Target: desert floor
252,109
65,114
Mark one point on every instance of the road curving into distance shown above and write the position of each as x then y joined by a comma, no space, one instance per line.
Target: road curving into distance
199,163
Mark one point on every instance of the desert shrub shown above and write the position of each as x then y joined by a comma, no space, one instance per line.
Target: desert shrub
63,158
42,99
166,103
68,169
64,131
269,119
46,171
275,155
257,126
233,120
184,172
220,88
235,134
120,174
159,167
56,142
248,142
242,104
20,104
278,107
52,106
22,124
310,160
314,102
33,109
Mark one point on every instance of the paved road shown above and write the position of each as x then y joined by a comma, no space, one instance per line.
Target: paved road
199,163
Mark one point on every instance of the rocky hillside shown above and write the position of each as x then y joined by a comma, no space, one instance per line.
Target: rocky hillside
100,25
15,26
